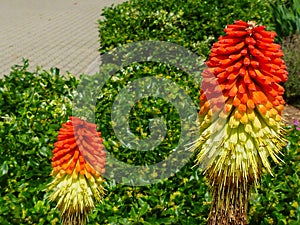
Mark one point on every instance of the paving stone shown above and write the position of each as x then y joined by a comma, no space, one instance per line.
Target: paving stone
51,33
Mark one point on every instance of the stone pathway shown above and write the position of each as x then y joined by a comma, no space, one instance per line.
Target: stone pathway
51,33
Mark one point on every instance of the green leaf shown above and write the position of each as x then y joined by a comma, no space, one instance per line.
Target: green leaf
144,206
43,151
4,169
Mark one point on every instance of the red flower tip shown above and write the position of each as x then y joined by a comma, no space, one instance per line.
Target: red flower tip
248,66
79,149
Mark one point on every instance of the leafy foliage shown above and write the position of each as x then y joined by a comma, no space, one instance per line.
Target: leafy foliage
286,20
32,107
286,17
291,49
143,111
277,199
173,201
29,125
192,24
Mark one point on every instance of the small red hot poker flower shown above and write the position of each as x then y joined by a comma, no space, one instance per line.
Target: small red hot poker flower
78,164
239,136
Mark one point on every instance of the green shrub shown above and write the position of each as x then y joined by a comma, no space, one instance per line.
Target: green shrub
189,23
277,200
291,49
170,201
286,17
32,107
182,199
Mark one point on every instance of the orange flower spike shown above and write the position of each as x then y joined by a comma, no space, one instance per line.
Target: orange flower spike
74,177
248,67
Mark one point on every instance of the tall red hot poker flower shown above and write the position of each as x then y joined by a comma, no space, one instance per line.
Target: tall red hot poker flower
78,163
239,136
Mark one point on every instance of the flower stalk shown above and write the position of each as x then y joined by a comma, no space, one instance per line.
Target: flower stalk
78,164
238,137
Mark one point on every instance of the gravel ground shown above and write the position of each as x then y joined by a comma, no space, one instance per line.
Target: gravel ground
290,113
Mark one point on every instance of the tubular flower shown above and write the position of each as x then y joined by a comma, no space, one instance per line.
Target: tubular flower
238,136
77,167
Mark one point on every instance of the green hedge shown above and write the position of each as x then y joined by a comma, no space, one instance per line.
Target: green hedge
33,105
277,200
286,17
291,49
193,24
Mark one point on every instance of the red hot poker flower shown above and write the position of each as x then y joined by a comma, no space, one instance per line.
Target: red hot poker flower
239,136
78,164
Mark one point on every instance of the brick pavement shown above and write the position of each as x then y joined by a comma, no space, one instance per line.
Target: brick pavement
51,33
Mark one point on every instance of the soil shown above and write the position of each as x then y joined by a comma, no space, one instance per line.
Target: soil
290,113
